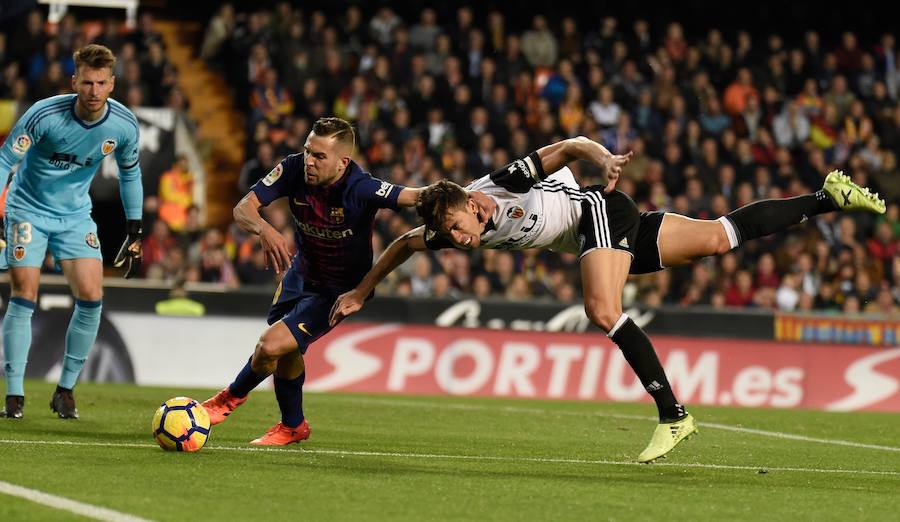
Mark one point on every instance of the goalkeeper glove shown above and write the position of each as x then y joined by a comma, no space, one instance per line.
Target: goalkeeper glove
130,253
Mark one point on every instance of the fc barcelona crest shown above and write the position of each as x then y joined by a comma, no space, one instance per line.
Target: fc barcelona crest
337,215
108,146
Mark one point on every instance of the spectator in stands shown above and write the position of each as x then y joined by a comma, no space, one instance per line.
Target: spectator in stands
539,46
270,100
255,168
217,33
253,270
885,305
740,291
176,194
157,245
382,25
774,158
421,279
153,71
791,126
737,94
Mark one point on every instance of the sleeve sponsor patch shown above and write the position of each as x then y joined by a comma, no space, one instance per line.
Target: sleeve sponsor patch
384,190
21,145
273,175
519,176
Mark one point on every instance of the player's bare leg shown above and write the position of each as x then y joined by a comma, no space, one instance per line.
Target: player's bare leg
274,343
604,272
17,335
25,281
289,377
85,277
683,239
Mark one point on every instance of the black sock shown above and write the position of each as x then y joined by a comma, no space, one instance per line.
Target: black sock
639,353
773,215
289,393
246,380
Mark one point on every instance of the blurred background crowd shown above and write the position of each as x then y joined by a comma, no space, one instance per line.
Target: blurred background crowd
716,118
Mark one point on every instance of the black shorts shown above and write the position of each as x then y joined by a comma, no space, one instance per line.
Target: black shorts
613,221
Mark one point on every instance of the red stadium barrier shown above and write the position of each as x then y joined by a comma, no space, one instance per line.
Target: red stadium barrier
480,362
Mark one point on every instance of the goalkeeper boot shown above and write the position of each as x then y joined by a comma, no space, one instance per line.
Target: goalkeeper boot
667,436
847,195
63,403
281,435
14,405
221,405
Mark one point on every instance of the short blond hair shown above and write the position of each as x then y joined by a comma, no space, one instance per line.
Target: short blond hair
94,56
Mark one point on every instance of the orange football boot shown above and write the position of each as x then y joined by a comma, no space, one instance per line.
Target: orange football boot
281,435
220,406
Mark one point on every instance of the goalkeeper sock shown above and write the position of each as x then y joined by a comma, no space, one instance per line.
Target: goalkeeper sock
638,351
773,215
289,393
246,380
79,340
16,342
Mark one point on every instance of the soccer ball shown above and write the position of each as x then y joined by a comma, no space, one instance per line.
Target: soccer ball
181,424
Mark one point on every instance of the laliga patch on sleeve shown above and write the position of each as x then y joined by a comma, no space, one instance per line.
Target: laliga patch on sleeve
272,176
22,144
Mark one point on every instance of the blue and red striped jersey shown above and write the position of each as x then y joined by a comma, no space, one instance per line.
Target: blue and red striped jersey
333,223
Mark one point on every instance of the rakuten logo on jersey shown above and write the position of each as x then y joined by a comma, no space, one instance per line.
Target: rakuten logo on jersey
429,360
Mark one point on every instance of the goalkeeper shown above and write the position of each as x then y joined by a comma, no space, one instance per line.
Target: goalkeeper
60,142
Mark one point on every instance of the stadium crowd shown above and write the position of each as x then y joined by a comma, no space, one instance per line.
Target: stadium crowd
715,120
36,60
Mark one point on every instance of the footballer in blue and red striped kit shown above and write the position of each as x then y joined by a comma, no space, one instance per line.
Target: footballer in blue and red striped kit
333,223
333,203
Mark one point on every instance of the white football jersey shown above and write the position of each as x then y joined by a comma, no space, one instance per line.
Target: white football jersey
530,213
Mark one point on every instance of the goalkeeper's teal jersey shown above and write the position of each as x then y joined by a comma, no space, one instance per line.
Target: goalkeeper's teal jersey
60,154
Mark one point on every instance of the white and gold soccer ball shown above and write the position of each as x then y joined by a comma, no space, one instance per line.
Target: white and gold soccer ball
181,424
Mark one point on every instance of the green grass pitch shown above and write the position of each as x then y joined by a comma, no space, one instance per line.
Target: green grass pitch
379,457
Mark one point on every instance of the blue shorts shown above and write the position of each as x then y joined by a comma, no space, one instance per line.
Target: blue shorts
29,235
303,308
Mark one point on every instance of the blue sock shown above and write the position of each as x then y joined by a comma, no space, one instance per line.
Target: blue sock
16,342
289,393
79,340
246,380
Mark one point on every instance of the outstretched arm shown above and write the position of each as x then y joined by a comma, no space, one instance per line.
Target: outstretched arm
558,155
396,254
408,197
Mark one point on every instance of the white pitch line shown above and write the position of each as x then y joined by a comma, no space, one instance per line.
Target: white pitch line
539,411
65,504
488,458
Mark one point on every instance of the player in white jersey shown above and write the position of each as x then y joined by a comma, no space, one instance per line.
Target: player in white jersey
521,207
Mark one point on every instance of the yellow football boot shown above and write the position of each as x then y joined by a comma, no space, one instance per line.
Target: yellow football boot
667,436
847,195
